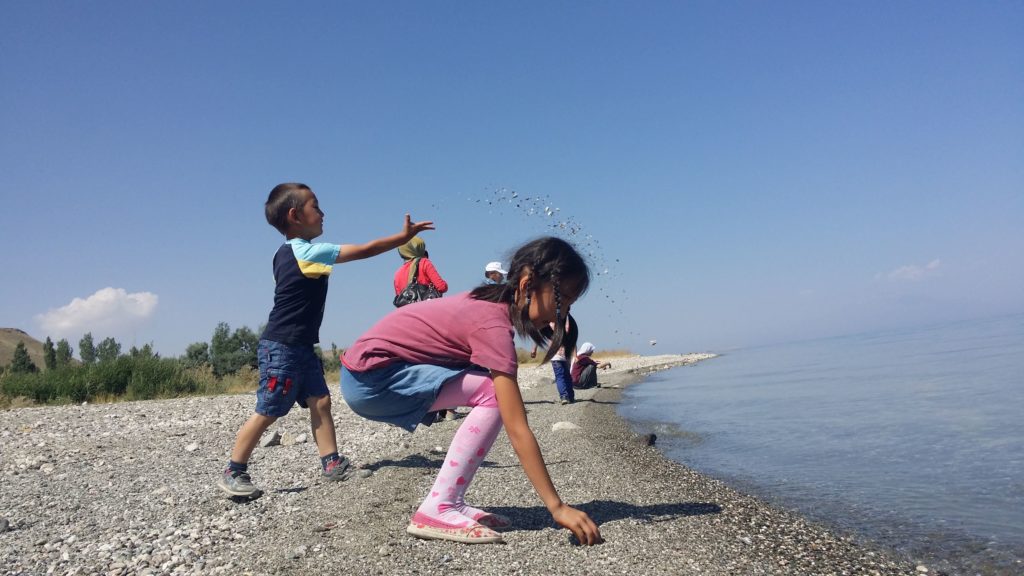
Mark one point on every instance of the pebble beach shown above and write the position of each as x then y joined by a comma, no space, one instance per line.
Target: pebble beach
128,488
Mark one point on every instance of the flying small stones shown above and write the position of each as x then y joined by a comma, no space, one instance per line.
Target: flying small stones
543,213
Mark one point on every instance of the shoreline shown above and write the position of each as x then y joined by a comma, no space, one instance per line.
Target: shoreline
128,488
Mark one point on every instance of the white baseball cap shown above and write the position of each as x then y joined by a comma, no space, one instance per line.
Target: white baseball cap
495,267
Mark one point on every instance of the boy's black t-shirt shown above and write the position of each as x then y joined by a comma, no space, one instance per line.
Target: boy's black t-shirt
301,271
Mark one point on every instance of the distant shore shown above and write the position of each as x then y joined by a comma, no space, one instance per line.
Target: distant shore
128,489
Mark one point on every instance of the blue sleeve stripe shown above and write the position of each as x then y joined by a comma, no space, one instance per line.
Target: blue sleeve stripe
322,253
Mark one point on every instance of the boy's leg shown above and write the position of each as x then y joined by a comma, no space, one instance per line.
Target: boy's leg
249,436
316,396
321,422
274,398
235,480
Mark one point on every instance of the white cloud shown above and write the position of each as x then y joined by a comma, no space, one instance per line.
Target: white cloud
911,272
110,311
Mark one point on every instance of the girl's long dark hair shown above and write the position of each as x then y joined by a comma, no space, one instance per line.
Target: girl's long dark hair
544,260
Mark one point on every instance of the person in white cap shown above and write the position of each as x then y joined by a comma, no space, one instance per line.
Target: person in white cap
494,273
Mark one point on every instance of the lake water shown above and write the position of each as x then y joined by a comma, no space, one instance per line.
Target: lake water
911,438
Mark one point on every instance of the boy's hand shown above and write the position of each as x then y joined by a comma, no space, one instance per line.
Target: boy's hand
579,523
350,252
413,228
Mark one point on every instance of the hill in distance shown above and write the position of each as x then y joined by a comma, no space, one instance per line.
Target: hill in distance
9,338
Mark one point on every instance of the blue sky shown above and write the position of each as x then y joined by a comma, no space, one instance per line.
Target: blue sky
746,172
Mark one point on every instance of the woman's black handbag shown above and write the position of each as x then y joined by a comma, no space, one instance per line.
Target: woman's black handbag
414,291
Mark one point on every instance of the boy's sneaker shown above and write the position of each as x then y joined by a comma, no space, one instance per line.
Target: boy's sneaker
237,484
338,469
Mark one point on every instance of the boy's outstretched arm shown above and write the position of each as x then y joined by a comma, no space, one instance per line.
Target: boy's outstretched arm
351,252
513,416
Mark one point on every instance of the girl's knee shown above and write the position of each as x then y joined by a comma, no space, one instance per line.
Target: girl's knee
485,396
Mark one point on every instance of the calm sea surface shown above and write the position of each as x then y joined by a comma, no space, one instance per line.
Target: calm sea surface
911,438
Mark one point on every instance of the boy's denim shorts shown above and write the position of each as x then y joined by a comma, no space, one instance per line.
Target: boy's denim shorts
288,374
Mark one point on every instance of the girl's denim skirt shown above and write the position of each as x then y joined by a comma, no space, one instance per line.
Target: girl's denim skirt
399,393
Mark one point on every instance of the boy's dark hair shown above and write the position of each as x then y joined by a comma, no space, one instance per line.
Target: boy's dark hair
283,198
543,260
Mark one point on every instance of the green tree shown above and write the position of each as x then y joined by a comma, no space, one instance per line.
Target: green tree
21,363
142,353
108,350
331,361
86,349
230,351
64,353
49,354
197,354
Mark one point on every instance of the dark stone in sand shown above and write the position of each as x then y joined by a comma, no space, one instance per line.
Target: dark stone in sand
4,525
648,439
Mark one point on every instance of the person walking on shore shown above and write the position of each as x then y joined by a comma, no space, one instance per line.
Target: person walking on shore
290,369
560,361
428,357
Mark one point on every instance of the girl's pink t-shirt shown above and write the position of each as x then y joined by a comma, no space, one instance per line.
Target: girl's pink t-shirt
455,332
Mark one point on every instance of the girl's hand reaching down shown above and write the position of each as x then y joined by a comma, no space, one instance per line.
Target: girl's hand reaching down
579,523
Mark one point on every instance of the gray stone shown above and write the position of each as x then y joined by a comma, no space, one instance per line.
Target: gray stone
271,439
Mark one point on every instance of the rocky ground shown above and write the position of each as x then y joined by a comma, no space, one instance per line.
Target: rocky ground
129,489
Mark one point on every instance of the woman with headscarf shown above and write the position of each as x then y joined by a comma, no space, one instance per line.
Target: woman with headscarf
584,369
415,251
412,252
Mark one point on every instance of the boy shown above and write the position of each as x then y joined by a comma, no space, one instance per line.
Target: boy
290,370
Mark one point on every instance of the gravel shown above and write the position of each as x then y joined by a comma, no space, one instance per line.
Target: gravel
128,488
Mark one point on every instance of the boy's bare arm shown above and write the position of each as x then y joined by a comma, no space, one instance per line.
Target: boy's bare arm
351,252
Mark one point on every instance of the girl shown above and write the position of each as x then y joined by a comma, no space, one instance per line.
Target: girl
429,357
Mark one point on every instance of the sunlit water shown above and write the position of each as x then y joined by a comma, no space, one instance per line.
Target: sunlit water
912,438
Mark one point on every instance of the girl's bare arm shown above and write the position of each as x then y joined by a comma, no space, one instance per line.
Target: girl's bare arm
513,416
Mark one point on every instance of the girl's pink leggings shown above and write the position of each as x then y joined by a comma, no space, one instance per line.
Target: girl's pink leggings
444,506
